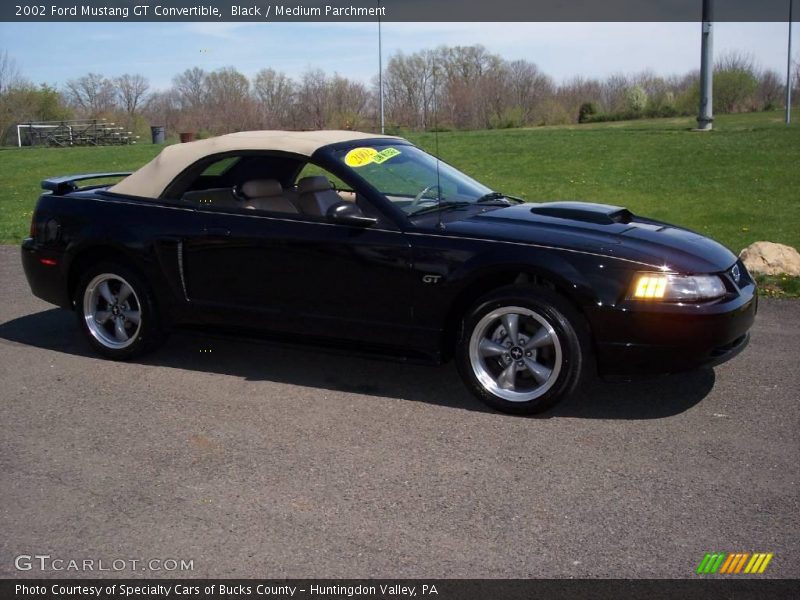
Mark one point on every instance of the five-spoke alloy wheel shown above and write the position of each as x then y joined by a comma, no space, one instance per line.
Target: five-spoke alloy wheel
115,310
515,353
520,350
112,311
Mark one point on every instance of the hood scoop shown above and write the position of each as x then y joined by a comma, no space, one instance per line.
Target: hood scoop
600,214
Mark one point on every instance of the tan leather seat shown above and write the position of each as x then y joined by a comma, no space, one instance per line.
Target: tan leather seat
266,195
315,196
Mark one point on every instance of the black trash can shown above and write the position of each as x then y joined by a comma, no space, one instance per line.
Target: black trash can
158,132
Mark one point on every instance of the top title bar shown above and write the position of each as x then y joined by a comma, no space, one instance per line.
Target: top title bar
394,10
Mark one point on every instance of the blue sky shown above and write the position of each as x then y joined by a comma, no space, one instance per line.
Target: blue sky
55,52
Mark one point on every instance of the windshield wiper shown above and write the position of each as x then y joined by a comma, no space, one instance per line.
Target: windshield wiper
442,205
489,197
494,196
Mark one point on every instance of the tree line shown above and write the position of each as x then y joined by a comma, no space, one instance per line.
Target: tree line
458,87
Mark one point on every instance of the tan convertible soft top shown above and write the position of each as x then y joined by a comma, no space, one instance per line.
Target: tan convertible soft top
151,180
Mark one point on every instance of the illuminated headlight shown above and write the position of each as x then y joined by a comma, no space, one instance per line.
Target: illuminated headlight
669,287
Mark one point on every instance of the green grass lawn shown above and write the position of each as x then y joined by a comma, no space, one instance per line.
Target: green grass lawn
738,184
22,170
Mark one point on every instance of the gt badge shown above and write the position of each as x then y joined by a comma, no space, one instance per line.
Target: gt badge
431,278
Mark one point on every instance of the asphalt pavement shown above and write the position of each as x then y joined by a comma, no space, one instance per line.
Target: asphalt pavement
259,461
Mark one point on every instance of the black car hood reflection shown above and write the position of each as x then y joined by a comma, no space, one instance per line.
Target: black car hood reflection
601,229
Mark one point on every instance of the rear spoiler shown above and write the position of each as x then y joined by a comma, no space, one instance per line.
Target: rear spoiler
66,184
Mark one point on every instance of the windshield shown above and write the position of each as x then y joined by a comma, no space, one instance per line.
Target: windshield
408,177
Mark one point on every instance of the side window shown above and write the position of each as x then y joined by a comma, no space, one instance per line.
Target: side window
219,167
213,188
312,170
269,184
241,183
316,190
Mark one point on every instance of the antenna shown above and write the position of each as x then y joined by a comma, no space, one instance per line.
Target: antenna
380,68
436,145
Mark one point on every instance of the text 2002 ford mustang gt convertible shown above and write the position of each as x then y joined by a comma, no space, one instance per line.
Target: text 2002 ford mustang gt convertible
367,242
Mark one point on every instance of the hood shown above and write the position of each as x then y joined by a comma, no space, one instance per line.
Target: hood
600,229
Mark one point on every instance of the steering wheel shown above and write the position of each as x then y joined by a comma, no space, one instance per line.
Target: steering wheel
419,196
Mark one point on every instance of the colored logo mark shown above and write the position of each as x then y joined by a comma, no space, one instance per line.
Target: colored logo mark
734,563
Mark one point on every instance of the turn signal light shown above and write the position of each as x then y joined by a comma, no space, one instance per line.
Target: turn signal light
672,287
651,286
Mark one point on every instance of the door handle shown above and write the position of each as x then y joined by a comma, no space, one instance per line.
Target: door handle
217,231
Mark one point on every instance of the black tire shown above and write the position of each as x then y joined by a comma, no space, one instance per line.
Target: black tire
544,319
142,337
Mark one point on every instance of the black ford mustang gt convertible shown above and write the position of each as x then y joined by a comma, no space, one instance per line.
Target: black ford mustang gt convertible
338,238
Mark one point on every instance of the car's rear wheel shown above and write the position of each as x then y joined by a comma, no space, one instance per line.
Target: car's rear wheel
520,349
116,312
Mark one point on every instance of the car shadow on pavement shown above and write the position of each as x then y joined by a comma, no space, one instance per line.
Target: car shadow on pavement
652,398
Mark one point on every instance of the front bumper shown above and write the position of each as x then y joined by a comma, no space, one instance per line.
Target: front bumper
656,339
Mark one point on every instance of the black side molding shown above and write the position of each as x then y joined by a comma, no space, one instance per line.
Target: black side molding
66,184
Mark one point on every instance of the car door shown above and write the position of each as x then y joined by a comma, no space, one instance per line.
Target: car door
306,276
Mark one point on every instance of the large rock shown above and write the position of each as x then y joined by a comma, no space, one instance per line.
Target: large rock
768,258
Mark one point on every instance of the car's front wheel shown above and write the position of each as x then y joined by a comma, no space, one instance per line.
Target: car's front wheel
116,312
520,349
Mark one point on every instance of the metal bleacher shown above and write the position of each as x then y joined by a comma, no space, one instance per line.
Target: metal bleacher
80,132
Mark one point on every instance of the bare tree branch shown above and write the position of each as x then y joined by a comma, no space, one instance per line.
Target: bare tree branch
131,91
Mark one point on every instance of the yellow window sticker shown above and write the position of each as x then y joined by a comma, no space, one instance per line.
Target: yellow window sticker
358,157
385,155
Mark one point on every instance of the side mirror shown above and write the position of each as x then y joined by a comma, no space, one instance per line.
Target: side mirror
348,213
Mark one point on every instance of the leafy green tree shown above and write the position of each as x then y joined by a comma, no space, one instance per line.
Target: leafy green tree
734,91
27,102
735,83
